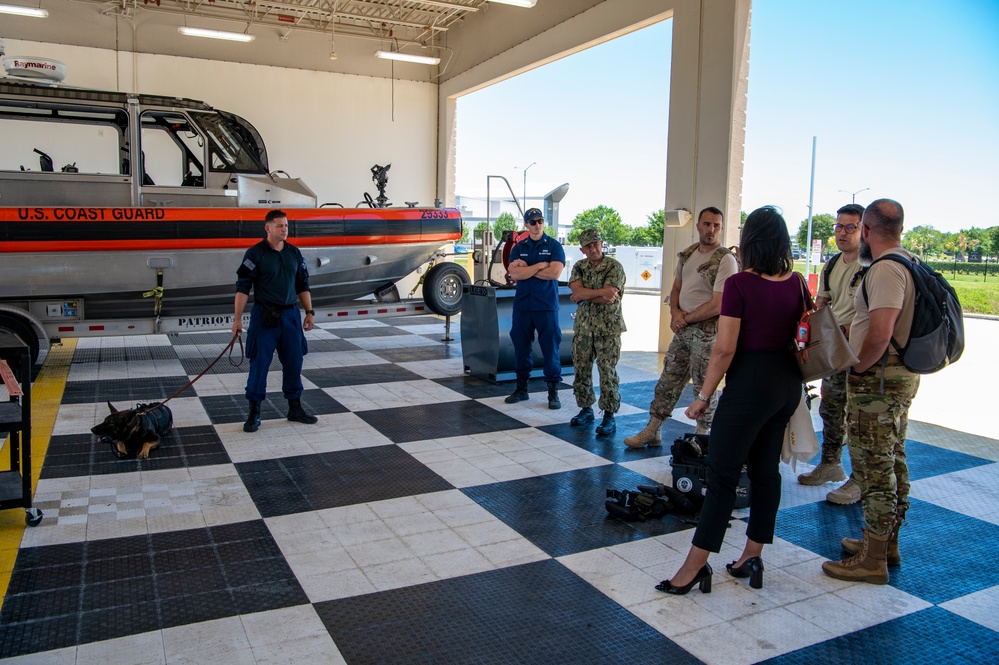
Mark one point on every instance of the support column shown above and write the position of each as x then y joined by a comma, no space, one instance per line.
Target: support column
707,123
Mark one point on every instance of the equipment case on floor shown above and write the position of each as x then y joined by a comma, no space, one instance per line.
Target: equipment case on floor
690,470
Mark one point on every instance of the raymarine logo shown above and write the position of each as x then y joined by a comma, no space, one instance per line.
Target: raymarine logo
32,64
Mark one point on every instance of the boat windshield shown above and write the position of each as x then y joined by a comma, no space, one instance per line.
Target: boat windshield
230,150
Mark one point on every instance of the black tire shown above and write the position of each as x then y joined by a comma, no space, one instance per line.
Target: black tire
443,286
23,330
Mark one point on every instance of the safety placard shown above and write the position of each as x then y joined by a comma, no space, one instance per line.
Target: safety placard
646,274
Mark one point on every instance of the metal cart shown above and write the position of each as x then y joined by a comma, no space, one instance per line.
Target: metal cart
15,418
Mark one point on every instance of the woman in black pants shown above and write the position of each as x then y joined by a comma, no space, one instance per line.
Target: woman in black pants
760,308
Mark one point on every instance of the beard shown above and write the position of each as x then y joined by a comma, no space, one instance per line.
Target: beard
866,256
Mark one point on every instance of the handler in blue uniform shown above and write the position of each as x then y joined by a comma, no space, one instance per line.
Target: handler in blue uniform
276,271
536,263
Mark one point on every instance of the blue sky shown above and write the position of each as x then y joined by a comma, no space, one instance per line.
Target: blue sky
902,95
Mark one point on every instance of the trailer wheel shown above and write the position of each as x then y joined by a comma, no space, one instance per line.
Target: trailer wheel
22,330
442,288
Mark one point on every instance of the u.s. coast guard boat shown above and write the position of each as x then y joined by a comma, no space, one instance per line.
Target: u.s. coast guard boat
142,228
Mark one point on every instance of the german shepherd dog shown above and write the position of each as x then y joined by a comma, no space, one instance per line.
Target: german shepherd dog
134,431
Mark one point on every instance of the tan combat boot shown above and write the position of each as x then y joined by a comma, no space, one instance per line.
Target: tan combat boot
823,473
648,436
853,545
867,565
848,493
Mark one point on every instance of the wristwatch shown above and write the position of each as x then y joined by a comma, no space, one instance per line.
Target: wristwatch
310,312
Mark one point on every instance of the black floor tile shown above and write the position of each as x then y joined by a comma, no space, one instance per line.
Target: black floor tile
117,593
370,331
128,619
72,455
41,634
219,338
475,388
331,345
927,461
928,637
122,586
359,375
234,408
438,421
419,353
312,482
612,447
535,613
563,513
123,354
126,393
966,568
637,393
416,321
19,607
198,365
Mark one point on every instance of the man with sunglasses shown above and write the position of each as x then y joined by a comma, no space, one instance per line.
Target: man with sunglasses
841,276
535,264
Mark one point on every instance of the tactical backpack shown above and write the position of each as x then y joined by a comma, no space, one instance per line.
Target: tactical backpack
649,502
937,335
690,470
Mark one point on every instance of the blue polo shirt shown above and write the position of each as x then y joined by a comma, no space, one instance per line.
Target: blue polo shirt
537,294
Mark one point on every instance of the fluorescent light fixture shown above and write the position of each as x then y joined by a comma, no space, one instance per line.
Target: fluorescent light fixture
18,10
216,34
517,3
406,57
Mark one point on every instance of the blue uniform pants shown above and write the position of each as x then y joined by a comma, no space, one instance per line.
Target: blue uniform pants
545,323
289,341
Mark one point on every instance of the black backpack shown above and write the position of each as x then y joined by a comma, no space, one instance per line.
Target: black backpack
937,336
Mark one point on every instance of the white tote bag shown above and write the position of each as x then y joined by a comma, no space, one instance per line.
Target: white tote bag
800,442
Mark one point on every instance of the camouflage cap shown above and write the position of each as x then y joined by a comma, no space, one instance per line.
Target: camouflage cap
588,236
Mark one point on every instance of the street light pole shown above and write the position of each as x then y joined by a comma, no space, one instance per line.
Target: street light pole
853,195
525,183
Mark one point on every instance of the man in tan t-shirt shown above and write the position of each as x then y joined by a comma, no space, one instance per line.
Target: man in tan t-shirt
879,392
838,284
694,303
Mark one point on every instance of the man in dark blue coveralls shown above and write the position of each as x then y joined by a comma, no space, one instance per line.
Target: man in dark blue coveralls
536,263
276,271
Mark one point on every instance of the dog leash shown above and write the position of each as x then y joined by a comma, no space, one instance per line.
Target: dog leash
190,383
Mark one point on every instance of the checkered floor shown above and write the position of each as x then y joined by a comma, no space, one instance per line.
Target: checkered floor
424,520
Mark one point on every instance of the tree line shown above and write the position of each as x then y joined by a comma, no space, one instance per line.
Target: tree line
612,229
924,241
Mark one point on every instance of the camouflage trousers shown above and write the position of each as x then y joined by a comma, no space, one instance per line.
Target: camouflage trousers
876,429
833,412
605,350
686,360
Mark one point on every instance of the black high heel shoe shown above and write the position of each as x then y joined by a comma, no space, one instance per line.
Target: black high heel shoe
751,568
702,579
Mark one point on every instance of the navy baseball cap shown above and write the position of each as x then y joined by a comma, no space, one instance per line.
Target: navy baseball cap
533,213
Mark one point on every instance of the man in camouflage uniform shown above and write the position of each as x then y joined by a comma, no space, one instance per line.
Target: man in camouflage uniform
838,284
597,286
694,303
879,392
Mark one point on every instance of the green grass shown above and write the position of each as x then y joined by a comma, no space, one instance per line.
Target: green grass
976,294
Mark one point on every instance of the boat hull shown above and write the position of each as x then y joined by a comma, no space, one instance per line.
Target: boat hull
108,258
